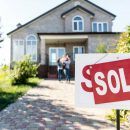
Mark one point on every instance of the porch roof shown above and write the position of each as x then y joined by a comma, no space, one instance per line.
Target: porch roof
62,35
62,38
76,33
70,36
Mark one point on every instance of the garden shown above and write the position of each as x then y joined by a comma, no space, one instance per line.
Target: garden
17,81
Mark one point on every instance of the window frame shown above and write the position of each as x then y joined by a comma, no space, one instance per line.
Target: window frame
73,21
78,51
14,42
102,26
31,45
57,48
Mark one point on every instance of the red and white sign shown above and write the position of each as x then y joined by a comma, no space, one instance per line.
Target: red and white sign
103,80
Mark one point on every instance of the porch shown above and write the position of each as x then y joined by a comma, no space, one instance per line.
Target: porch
55,46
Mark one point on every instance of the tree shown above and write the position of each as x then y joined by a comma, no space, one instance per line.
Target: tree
123,45
101,48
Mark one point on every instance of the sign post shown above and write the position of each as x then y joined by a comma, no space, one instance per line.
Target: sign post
118,119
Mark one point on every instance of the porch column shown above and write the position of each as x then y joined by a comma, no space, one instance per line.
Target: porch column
43,62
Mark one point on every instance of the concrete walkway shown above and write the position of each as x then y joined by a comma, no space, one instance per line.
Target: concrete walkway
51,107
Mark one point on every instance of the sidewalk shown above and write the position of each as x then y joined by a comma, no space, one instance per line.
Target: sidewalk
51,107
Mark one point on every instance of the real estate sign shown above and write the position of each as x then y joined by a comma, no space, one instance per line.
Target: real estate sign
103,80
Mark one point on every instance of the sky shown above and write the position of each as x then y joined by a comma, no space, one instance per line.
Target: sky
13,12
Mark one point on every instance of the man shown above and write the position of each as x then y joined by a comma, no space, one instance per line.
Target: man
67,67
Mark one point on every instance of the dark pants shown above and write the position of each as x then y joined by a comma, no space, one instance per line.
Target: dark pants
59,74
67,74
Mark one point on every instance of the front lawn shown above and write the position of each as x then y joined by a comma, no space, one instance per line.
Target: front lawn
10,93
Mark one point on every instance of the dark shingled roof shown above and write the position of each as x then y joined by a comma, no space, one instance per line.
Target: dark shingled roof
77,7
56,8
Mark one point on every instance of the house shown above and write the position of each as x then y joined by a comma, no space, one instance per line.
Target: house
75,26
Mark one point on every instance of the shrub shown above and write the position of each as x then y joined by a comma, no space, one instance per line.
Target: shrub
23,70
5,68
123,116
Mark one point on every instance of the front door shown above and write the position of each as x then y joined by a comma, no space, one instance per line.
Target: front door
54,54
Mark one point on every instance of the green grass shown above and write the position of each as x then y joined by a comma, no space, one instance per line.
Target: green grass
10,93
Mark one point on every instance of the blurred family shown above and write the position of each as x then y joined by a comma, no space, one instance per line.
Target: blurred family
63,67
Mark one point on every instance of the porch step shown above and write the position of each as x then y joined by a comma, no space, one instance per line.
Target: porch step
52,76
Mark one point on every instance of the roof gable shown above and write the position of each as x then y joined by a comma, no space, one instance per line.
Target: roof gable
101,8
78,7
38,17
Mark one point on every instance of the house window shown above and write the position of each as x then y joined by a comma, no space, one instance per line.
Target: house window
31,47
94,27
78,24
54,54
105,27
77,50
18,49
100,27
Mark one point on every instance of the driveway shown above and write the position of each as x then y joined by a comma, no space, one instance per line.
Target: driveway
50,106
